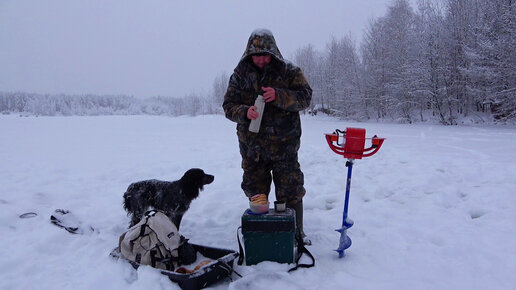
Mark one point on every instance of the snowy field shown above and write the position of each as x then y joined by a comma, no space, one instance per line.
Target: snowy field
435,208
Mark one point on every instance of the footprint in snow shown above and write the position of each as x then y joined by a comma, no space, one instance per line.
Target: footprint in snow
476,213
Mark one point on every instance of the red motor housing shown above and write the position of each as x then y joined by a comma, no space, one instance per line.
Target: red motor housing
354,143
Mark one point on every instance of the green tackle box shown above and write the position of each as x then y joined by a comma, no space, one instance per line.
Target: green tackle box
269,237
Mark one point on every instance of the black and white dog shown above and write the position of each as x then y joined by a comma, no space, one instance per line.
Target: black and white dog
173,198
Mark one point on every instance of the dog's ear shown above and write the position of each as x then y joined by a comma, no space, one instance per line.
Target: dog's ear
193,177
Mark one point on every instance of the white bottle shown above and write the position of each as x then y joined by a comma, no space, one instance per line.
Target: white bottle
260,105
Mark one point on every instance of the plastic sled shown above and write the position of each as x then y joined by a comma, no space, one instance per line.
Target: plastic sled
220,268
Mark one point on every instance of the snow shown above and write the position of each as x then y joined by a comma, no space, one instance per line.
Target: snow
261,32
434,209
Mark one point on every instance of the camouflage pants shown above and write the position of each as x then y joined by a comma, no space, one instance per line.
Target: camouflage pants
267,162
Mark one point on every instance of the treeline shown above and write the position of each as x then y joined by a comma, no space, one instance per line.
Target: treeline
445,60
67,105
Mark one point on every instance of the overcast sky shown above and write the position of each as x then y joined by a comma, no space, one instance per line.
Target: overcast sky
155,47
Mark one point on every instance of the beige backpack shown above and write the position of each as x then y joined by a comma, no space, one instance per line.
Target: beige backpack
153,241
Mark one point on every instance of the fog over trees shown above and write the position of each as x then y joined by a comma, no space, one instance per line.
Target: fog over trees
442,61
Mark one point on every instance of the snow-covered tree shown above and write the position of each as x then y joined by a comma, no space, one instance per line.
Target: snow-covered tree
309,60
220,86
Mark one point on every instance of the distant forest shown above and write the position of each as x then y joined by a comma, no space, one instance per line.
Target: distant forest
443,61
68,105
446,60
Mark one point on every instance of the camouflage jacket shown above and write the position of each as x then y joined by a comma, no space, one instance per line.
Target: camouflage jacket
280,120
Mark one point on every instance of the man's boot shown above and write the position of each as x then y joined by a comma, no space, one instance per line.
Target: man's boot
298,207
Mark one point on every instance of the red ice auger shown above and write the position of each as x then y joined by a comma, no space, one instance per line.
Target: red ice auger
350,144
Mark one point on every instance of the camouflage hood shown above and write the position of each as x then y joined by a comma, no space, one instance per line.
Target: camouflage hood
260,41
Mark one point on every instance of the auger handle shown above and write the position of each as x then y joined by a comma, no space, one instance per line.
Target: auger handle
330,138
376,143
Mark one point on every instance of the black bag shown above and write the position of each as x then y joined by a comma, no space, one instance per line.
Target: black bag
186,252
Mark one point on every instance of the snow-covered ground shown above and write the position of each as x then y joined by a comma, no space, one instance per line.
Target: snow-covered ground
435,208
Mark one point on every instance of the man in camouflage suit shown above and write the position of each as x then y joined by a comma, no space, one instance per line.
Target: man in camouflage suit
263,71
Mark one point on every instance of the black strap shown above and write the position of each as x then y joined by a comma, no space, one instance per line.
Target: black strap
225,266
153,258
240,249
301,249
142,231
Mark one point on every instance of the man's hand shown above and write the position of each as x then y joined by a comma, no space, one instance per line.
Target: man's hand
251,113
269,94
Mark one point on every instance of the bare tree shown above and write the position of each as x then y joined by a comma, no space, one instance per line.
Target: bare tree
220,86
308,59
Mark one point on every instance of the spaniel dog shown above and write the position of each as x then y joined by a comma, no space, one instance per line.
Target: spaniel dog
173,198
